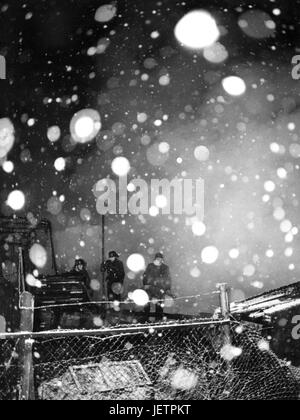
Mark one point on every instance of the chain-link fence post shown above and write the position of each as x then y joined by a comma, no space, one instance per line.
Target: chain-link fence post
225,310
27,320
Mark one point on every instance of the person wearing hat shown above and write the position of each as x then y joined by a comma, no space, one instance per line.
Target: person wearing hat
115,275
157,283
80,267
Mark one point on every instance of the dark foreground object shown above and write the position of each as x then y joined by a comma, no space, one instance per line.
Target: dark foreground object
182,361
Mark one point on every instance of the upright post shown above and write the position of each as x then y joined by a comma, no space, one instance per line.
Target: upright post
27,321
103,255
225,310
54,265
21,274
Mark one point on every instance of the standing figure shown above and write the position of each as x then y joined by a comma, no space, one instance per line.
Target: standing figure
80,267
115,275
157,283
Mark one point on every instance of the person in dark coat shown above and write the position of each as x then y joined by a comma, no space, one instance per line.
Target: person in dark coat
115,275
157,283
80,267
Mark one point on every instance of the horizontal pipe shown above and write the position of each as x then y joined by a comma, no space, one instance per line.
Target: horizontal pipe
109,331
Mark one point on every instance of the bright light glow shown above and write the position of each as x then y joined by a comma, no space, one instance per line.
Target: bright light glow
275,147
258,284
8,167
282,173
264,345
60,164
269,186
140,297
169,302
120,166
201,153
136,263
98,322
266,198
184,380
197,30
38,255
277,12
33,282
117,288
31,122
195,272
161,201
216,53
54,206
85,125
53,134
153,211
142,117
289,237
249,270
7,136
155,157
131,187
279,214
164,147
234,86
164,80
286,226
229,353
16,200
95,285
234,254
198,228
85,215
295,150
289,252
210,255
105,13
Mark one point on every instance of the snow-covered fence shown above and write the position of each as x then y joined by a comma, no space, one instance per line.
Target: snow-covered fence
182,360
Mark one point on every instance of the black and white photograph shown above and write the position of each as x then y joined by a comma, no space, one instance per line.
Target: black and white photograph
149,203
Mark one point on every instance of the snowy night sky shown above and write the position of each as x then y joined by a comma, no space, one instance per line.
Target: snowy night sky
149,90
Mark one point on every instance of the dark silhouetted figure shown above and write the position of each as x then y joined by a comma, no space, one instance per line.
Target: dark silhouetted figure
115,275
80,267
157,283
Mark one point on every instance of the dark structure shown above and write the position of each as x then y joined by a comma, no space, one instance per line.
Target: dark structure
17,235
157,283
278,312
115,275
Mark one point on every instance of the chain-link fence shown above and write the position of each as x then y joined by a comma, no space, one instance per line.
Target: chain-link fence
10,368
173,361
